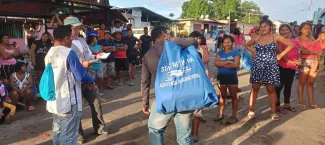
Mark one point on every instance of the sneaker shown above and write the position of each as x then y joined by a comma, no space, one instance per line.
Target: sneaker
120,84
131,83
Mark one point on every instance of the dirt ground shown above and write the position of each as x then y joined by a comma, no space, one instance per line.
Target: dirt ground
128,124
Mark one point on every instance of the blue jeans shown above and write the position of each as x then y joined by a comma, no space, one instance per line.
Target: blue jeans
66,126
157,125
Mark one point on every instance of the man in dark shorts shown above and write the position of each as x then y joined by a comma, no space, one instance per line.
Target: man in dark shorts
132,52
146,43
121,61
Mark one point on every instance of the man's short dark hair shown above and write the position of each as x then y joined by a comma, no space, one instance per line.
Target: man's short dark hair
129,25
145,28
157,32
195,34
61,32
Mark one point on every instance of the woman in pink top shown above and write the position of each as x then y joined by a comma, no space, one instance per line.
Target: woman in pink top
288,66
239,43
7,57
309,65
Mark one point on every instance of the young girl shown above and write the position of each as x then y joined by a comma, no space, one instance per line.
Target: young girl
96,67
310,56
204,51
227,61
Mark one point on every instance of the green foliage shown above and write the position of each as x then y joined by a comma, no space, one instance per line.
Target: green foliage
197,8
250,11
219,9
171,15
222,7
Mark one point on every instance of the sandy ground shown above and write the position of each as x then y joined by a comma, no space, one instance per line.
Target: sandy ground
128,124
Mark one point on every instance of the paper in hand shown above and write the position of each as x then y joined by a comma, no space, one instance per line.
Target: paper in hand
104,56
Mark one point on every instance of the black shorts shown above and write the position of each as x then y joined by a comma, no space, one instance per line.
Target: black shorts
121,64
133,59
228,80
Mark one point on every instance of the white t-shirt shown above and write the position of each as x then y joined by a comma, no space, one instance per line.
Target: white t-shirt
79,45
114,29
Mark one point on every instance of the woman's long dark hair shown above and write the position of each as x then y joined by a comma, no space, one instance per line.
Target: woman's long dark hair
285,25
237,32
303,25
1,37
203,41
265,19
90,39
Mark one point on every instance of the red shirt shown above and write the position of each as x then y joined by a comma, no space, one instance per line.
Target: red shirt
239,40
292,55
121,53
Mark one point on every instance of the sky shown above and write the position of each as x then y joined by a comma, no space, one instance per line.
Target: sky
285,10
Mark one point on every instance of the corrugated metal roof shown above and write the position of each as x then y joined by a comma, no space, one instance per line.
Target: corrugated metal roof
88,2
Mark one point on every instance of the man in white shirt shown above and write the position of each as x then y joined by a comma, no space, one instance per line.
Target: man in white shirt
68,76
80,46
116,26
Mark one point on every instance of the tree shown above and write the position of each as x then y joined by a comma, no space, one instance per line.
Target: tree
251,13
184,9
196,9
222,7
247,11
171,15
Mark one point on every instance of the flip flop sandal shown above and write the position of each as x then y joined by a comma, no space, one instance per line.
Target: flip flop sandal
102,100
31,108
290,108
220,117
302,106
275,116
251,115
232,120
281,110
314,106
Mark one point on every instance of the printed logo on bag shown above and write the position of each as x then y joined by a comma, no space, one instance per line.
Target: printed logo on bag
173,71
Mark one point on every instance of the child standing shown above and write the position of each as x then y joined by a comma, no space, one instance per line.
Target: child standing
96,67
227,61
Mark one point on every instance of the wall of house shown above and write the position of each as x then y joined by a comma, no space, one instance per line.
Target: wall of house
136,21
187,28
246,27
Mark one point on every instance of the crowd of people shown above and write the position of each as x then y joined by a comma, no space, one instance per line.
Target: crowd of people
80,73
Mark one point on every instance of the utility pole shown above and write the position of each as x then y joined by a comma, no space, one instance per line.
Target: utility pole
249,17
309,10
229,20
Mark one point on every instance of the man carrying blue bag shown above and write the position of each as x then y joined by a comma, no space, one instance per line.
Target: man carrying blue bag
181,86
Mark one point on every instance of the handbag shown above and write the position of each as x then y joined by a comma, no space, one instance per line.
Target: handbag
181,81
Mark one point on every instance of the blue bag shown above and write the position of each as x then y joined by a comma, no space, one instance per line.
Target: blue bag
46,85
181,81
247,61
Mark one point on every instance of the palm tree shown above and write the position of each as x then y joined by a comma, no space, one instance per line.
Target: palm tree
171,15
